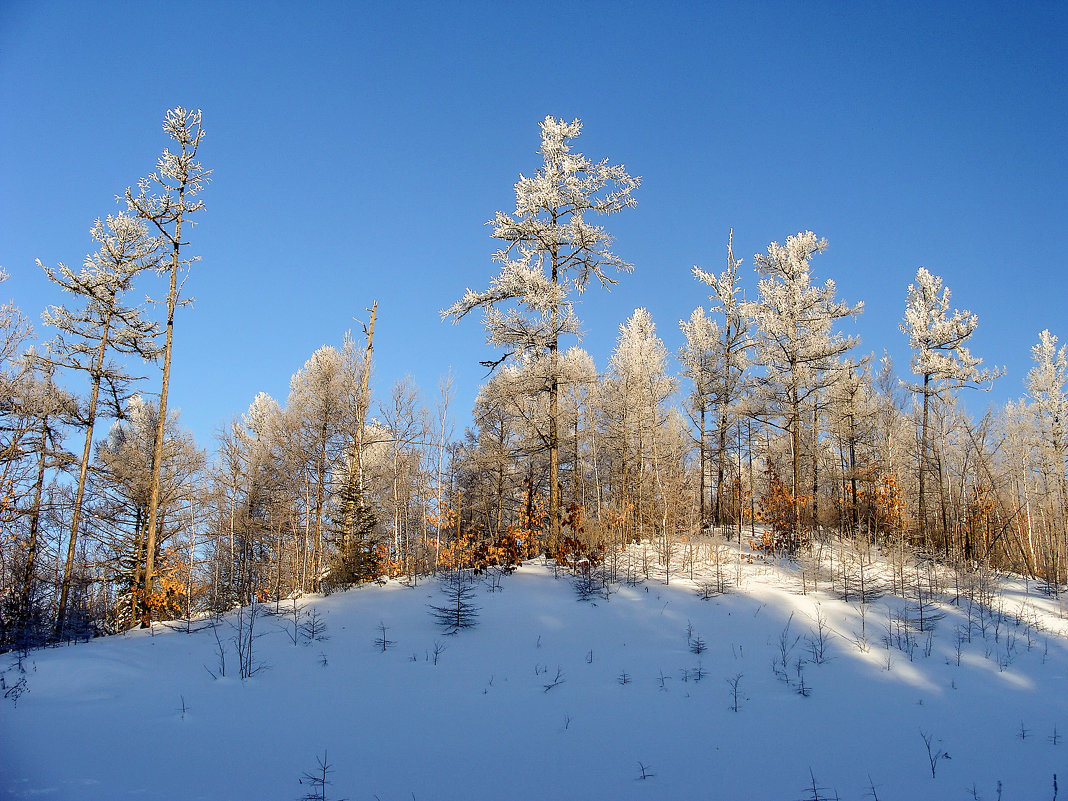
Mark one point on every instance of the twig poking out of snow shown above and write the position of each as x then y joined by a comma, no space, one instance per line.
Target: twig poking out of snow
557,680
934,753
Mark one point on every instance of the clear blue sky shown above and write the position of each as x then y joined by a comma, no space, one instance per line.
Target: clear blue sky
359,148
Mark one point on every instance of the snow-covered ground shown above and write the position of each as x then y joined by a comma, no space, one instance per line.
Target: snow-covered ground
552,697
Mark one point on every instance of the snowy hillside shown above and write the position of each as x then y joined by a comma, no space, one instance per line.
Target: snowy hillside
552,697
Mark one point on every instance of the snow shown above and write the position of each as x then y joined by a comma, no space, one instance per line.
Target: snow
105,720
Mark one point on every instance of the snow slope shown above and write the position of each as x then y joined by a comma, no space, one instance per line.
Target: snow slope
106,720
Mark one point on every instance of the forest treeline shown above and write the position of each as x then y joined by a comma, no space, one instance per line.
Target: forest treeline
778,429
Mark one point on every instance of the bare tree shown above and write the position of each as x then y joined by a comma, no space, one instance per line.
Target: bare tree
443,429
120,492
406,423
38,412
15,329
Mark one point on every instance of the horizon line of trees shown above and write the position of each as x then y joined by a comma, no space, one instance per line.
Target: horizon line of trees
781,422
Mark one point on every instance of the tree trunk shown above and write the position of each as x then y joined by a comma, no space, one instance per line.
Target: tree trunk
853,472
922,512
161,423
363,400
795,440
703,483
83,470
815,464
554,406
721,459
35,520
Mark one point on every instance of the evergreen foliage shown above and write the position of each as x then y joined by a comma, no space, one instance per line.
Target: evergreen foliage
352,529
457,610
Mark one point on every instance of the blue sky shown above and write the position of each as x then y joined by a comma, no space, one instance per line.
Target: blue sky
359,149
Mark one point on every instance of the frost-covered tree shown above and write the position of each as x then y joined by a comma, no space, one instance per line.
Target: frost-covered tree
167,199
634,407
1046,388
698,359
87,335
1048,435
939,357
318,403
579,444
552,253
795,338
15,329
15,426
715,358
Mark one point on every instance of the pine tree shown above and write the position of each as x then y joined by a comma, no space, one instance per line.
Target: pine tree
39,411
457,610
352,529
